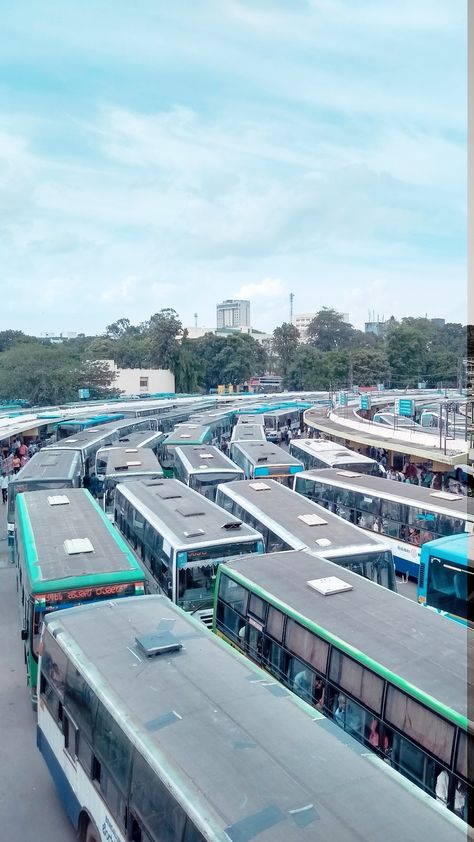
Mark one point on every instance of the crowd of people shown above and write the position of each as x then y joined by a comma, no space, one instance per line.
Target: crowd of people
13,458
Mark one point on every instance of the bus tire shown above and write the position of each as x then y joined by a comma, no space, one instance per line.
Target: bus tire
92,834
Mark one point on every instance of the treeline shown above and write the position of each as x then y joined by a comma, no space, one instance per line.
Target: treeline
333,355
337,355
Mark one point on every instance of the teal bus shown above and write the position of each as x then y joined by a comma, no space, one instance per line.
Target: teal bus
154,730
264,459
446,580
67,553
390,674
72,426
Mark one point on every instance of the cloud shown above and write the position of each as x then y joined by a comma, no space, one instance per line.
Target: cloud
271,288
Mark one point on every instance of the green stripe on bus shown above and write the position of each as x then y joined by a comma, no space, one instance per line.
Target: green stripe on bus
385,673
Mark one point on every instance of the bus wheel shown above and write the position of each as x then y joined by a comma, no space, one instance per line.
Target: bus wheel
92,834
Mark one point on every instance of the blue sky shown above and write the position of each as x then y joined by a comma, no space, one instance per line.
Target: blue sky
161,153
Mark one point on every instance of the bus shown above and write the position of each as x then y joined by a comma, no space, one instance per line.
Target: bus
264,459
286,522
153,729
46,469
152,439
392,675
124,464
316,454
203,467
181,537
405,515
446,580
89,441
67,553
279,421
218,422
183,435
253,418
248,432
72,426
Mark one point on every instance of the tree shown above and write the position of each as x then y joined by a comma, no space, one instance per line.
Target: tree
231,359
328,331
187,367
308,370
13,337
49,374
120,328
406,351
164,331
285,344
370,366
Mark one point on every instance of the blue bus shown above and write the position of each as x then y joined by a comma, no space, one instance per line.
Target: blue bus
446,580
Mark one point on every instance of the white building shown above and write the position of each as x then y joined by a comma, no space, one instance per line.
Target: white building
141,381
303,321
233,313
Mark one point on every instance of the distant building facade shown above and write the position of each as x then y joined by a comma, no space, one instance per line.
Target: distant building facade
141,381
302,323
233,313
378,328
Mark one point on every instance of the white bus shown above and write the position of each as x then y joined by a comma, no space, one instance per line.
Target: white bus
124,464
203,467
286,522
248,432
279,421
154,730
264,459
317,454
181,538
406,516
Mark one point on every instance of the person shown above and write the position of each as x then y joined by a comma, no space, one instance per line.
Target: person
391,473
442,787
375,738
318,693
289,435
16,463
299,432
302,685
4,487
95,485
347,716
224,446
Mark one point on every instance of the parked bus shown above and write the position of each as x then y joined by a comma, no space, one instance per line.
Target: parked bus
67,553
405,515
279,421
184,435
316,454
248,432
155,730
181,537
218,422
390,674
153,439
446,580
88,442
124,464
73,426
47,469
287,522
203,467
250,418
264,459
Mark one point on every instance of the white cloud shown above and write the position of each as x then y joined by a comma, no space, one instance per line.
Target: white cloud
268,288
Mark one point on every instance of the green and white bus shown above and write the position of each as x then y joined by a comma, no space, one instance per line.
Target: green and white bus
67,553
317,454
289,522
248,432
264,459
181,538
390,673
154,730
203,468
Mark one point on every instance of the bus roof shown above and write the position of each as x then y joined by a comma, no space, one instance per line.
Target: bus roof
187,434
251,418
458,548
334,454
125,461
94,435
46,522
264,452
377,626
290,512
143,438
248,432
443,502
245,756
49,464
184,516
206,459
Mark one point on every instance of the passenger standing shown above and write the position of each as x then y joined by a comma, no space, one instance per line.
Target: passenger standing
4,487
16,463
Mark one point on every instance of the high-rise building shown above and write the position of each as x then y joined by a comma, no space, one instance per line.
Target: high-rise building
232,313
302,323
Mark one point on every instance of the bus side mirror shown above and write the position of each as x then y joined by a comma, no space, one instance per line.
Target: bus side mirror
24,634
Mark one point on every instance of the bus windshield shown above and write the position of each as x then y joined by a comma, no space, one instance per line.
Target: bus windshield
197,569
378,567
450,587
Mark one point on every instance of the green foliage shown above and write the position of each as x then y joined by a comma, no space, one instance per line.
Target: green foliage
187,367
329,332
13,337
49,374
406,348
308,370
164,330
369,366
285,345
230,359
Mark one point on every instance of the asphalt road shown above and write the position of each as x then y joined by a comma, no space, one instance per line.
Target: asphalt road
30,810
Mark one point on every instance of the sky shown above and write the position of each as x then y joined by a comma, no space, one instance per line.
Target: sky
174,154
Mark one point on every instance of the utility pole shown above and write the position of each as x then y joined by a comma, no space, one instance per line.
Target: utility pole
195,320
291,307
